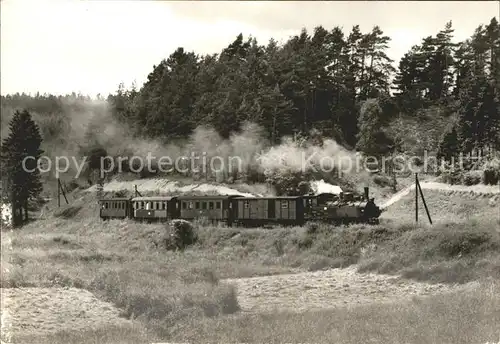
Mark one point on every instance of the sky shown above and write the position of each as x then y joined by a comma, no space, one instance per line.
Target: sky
60,47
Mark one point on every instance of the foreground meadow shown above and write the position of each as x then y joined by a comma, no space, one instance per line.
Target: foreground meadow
397,283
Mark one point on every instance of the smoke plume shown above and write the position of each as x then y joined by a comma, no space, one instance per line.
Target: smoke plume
88,124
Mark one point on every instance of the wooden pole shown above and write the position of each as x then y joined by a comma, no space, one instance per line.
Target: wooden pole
416,198
425,204
137,193
62,191
58,194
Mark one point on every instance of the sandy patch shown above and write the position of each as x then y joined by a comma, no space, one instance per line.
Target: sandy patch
40,311
328,289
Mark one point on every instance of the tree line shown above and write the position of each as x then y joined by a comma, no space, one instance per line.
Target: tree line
321,80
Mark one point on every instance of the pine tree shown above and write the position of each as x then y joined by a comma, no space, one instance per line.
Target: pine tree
449,146
372,139
22,145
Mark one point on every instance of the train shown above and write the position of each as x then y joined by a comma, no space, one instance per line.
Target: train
234,210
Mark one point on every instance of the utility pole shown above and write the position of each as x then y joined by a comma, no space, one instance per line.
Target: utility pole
418,189
416,198
60,190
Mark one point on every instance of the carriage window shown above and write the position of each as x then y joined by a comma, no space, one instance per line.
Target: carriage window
246,204
164,205
184,205
106,206
157,204
190,205
217,205
197,205
284,204
210,205
203,205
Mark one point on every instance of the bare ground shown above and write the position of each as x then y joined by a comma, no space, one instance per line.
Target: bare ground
329,289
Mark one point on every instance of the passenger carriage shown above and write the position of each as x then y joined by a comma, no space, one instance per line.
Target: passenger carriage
256,211
114,208
155,208
213,208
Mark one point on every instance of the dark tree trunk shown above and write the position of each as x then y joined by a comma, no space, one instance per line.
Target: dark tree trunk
16,221
26,211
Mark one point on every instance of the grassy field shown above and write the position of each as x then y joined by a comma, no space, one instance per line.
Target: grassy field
178,296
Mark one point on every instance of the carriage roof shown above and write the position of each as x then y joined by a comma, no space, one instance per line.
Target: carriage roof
206,197
267,198
119,199
152,198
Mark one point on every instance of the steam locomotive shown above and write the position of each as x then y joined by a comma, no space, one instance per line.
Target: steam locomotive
246,211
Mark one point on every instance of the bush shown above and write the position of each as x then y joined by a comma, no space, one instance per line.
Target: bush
491,176
491,170
452,177
463,243
382,181
472,178
71,186
68,212
452,174
182,235
121,194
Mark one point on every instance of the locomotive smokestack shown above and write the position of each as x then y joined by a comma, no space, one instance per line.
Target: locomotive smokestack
367,193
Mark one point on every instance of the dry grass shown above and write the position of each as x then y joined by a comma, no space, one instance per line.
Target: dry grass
466,317
47,310
179,295
461,317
